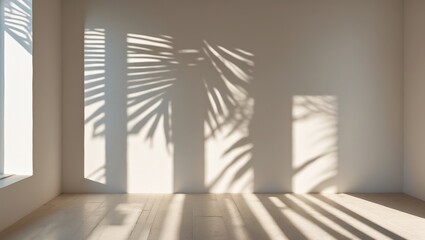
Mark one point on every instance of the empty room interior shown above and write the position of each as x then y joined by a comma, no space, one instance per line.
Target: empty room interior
212,119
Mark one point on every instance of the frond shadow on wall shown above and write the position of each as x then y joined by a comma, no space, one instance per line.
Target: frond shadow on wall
18,21
156,68
316,127
95,97
105,130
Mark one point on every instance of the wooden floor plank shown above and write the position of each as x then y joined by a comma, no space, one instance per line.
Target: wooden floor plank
174,219
143,228
235,225
209,228
254,225
223,216
118,223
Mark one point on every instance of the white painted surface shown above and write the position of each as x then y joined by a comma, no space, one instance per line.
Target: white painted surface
21,198
18,87
414,112
349,50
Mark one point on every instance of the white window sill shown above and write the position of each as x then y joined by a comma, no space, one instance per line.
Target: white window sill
11,180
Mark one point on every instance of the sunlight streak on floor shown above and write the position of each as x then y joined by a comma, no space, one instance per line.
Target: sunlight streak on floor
173,218
264,218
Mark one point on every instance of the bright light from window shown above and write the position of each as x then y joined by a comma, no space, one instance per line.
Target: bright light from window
17,75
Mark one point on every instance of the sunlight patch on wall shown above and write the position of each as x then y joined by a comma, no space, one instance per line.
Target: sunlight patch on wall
94,101
228,149
228,156
315,149
150,78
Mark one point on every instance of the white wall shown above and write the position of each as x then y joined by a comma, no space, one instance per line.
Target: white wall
414,112
19,199
315,89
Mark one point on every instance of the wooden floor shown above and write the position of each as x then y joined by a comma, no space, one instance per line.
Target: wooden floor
228,216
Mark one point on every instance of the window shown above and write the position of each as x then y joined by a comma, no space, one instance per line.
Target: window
16,88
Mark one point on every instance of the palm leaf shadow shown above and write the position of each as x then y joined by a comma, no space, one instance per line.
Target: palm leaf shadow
151,82
324,107
18,22
94,79
153,67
